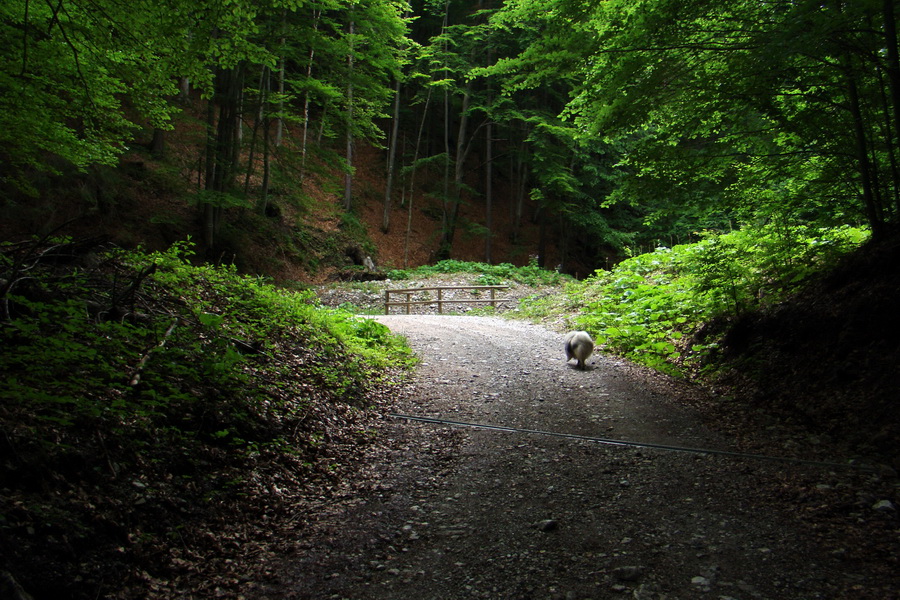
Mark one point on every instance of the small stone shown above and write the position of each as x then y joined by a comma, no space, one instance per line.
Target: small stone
547,525
700,581
884,506
629,573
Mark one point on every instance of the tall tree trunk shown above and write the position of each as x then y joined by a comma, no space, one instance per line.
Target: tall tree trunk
263,203
263,200
455,200
520,169
392,154
306,102
184,90
873,210
489,165
158,144
892,188
222,147
257,122
565,233
488,190
412,177
893,71
279,125
444,250
209,175
542,237
348,176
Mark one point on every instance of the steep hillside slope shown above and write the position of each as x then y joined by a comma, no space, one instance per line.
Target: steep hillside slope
829,357
305,236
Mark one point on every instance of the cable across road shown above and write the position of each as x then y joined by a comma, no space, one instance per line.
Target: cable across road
633,444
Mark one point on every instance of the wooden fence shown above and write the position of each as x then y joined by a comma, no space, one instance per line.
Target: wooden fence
441,300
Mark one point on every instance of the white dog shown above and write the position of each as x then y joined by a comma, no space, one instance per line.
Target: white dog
579,346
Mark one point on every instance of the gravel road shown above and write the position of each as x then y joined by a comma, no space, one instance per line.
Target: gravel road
466,513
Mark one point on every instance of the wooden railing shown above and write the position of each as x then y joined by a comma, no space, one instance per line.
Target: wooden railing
441,300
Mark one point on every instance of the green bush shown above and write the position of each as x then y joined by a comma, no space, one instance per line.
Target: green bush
153,336
647,306
530,274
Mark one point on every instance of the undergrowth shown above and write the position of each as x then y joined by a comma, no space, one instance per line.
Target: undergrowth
649,306
166,382
530,274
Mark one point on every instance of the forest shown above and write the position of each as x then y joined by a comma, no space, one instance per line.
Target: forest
609,128
712,189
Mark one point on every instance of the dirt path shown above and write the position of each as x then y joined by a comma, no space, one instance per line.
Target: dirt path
460,513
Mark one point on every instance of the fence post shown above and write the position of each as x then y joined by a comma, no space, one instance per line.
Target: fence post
440,303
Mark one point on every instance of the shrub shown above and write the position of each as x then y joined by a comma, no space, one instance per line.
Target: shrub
646,307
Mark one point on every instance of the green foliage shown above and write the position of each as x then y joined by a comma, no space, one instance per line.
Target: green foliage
696,128
530,274
739,270
76,354
647,306
144,399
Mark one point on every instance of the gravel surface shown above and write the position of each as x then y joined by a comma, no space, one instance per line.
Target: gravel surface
460,512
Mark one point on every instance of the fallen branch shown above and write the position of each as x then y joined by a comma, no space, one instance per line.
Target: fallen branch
143,362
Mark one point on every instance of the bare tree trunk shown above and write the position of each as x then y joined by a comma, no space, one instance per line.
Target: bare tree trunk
279,125
893,71
452,203
488,191
542,239
348,176
223,147
251,158
412,177
158,144
873,210
184,88
488,164
306,101
443,250
209,175
521,193
520,168
891,148
263,203
392,154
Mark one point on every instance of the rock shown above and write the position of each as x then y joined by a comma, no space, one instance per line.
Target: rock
10,589
884,506
628,573
547,525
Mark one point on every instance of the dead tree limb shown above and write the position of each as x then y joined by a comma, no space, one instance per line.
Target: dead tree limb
136,378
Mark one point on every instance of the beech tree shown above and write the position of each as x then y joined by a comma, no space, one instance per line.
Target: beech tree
745,108
79,78
67,71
